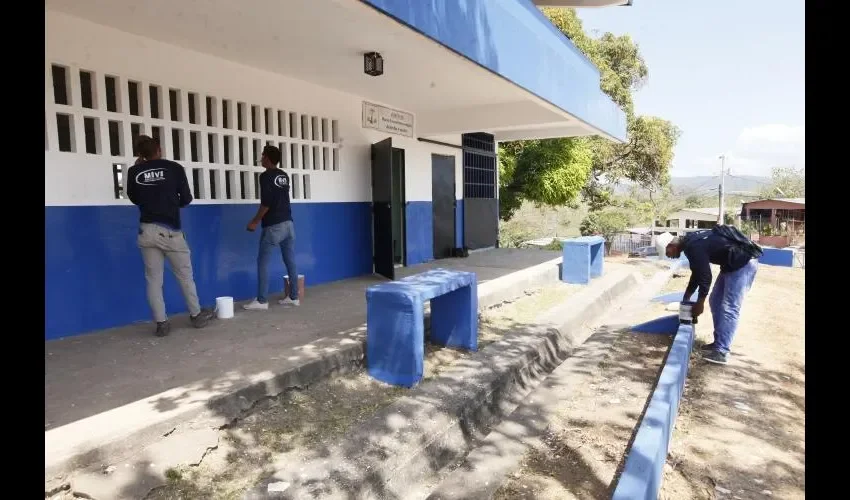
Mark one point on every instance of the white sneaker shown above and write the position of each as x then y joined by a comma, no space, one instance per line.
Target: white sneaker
289,302
256,306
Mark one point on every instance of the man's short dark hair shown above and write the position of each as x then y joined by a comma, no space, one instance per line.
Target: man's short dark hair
146,146
273,154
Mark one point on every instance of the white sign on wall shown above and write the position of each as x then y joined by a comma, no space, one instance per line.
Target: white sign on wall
391,121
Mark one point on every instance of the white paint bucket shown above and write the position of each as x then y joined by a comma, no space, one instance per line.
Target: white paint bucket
224,307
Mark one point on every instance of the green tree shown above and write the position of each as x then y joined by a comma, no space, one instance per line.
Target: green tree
605,223
693,201
786,182
547,171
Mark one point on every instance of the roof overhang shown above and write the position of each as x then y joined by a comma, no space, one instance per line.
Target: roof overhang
516,41
461,66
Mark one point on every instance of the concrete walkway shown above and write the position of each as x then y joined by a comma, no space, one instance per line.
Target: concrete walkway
91,374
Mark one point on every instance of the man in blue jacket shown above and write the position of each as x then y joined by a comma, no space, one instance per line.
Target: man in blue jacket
160,189
738,260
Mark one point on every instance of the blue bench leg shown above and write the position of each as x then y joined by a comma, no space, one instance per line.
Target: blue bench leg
575,265
396,359
454,318
597,258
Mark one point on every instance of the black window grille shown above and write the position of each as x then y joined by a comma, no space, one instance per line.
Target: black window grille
479,165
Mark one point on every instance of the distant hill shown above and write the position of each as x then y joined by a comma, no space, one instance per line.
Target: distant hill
704,185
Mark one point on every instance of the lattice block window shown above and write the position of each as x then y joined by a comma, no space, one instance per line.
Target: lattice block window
213,149
136,129
194,108
113,94
220,138
116,138
255,119
306,179
88,92
91,130
134,98
175,108
268,124
216,188
61,84
228,150
227,113
119,170
231,185
296,186
198,183
241,116
212,112
155,100
245,185
195,146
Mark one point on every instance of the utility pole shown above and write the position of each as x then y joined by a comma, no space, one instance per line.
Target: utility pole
721,208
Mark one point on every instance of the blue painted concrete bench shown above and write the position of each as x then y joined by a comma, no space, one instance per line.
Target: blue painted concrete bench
777,257
395,332
583,259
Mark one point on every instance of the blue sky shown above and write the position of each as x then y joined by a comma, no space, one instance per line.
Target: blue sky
729,74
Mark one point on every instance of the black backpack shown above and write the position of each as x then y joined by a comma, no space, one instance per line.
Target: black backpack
732,233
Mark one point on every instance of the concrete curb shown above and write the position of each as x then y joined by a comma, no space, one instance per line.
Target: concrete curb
117,434
485,469
644,468
405,446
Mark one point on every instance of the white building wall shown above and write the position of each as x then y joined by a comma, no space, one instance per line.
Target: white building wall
79,178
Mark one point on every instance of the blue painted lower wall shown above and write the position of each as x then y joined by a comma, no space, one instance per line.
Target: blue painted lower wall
419,239
94,277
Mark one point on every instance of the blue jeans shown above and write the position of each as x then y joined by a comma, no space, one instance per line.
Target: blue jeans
725,302
279,235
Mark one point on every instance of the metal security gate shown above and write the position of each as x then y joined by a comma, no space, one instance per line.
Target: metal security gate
480,205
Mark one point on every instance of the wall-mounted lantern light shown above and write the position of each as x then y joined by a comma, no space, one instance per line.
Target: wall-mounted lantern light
373,64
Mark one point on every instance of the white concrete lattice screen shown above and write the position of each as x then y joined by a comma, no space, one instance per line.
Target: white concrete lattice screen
219,140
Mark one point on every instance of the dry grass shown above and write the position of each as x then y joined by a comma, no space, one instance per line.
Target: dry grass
297,422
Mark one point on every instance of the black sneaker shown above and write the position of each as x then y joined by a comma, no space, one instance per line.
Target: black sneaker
710,347
163,329
716,357
201,319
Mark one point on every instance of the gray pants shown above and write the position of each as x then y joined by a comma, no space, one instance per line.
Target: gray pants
157,244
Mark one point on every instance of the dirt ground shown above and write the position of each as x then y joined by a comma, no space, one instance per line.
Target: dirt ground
740,433
584,448
282,428
740,429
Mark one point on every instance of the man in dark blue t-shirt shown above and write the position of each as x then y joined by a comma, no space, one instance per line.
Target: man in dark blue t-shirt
737,272
275,214
160,189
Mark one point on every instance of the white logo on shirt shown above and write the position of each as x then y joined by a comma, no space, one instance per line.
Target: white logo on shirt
281,181
150,177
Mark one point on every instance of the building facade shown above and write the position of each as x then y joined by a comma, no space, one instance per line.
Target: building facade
387,170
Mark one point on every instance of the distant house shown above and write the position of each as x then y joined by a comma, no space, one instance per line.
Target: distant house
777,222
692,219
775,211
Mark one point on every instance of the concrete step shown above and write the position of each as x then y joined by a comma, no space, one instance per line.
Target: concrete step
480,475
402,450
122,434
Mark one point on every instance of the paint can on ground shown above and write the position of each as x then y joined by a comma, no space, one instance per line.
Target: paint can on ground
287,284
224,307
685,316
